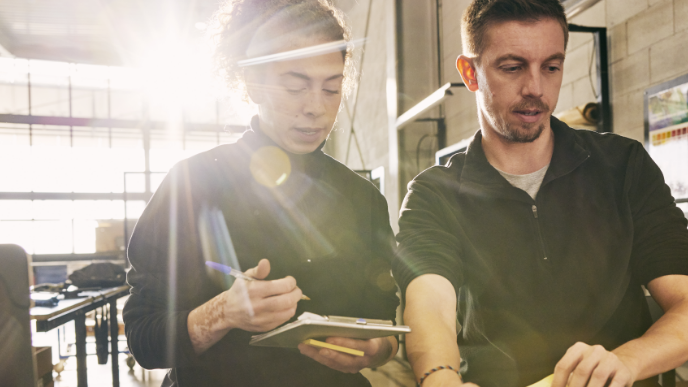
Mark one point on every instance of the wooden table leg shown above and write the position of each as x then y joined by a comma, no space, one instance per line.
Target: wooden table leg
114,343
80,332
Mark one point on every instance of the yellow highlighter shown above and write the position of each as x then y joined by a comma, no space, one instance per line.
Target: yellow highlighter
322,344
546,382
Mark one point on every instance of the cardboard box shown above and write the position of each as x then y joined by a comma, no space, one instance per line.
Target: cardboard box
43,359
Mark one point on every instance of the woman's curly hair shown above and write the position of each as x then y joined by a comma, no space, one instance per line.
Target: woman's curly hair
236,22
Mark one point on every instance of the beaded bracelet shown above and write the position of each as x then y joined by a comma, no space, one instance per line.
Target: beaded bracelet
425,375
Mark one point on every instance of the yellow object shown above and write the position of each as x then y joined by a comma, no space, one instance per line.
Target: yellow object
322,344
546,382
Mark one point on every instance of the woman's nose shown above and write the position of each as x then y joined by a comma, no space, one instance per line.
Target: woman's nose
314,104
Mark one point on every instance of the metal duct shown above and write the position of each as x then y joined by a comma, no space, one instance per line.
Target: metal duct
574,7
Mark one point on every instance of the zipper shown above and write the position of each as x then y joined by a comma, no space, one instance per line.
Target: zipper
539,233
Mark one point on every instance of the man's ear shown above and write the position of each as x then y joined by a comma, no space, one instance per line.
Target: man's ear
466,68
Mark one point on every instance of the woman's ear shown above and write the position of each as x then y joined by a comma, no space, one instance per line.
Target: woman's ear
466,67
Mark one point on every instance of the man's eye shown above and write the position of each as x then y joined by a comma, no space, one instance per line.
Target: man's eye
553,69
511,69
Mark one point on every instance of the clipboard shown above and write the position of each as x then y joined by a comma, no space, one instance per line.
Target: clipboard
313,326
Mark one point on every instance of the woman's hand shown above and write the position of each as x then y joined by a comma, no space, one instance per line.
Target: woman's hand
255,306
260,306
376,353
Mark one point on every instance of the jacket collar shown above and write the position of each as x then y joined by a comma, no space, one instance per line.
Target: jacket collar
478,176
254,138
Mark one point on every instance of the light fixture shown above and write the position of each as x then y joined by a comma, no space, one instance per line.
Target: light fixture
426,104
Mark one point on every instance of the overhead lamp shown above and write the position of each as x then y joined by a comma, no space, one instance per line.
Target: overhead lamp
426,104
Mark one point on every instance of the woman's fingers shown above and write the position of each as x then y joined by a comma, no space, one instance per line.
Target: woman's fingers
264,289
260,271
278,303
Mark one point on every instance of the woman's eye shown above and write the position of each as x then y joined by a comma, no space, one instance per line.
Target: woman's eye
295,91
331,92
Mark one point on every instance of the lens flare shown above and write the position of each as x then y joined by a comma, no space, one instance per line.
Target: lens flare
270,166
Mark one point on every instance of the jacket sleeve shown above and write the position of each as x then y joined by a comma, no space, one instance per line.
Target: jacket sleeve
380,288
428,242
660,237
161,253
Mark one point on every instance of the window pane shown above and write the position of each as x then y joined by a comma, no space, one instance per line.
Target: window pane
136,182
15,157
16,210
52,160
53,210
14,98
18,232
98,209
52,237
85,236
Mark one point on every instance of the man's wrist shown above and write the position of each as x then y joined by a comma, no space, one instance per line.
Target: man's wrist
441,377
632,362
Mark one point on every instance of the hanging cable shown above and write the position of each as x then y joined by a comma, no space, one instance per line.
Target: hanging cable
352,116
420,142
592,55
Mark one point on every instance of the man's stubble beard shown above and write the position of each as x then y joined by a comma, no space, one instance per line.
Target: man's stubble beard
514,135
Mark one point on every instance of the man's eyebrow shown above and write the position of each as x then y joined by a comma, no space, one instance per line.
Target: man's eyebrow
504,58
507,57
557,56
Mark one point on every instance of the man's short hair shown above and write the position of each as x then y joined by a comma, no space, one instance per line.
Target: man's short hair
478,17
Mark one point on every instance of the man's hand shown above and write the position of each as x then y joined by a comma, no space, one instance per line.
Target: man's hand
376,352
592,366
255,306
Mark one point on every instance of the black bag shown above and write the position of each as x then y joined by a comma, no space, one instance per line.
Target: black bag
100,331
98,275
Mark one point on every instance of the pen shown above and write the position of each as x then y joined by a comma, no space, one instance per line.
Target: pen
236,273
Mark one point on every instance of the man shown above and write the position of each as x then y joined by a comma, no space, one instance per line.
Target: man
537,239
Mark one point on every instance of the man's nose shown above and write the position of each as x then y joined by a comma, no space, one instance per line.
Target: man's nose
533,84
314,104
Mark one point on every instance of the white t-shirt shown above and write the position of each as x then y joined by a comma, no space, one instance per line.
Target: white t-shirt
530,182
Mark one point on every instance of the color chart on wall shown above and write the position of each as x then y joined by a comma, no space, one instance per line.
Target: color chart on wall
666,132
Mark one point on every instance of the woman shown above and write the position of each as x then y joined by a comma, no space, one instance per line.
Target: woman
303,223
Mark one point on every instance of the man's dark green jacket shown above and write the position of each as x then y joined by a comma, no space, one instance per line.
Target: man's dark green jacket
539,275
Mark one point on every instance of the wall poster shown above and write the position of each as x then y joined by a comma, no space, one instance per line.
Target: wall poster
666,134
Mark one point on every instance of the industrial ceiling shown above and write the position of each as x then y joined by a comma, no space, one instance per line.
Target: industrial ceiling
106,32
114,32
